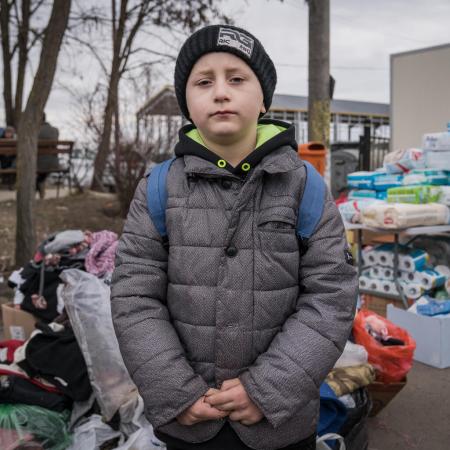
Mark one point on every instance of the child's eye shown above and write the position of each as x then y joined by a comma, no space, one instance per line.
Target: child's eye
203,82
236,80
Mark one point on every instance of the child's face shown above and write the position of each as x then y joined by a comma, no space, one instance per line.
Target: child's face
224,97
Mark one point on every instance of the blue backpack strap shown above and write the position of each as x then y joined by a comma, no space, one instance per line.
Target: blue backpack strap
157,195
312,203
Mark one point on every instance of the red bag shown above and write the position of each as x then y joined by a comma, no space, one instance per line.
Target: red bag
391,363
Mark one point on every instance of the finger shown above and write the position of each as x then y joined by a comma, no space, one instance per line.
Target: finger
248,422
237,416
227,407
207,412
213,414
212,391
221,398
187,419
228,384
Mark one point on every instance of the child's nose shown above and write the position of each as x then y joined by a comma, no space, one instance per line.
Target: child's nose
221,90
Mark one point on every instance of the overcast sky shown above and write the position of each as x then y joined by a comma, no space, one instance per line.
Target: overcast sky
363,35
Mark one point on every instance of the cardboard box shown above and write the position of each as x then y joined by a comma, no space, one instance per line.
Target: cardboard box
370,237
381,394
378,304
17,324
432,335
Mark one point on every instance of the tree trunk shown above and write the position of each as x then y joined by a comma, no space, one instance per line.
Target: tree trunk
28,131
111,102
22,40
6,53
105,140
319,72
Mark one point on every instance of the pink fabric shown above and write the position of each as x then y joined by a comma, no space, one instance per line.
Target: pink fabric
100,258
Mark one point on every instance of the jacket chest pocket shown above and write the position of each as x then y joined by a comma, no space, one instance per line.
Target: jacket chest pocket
275,222
277,231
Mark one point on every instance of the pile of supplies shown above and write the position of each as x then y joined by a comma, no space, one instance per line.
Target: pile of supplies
411,189
344,399
416,275
390,348
65,386
378,354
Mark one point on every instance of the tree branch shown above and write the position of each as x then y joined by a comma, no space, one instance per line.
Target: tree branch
93,51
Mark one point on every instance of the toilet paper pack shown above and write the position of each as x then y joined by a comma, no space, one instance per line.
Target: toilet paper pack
413,290
389,287
413,260
430,278
383,273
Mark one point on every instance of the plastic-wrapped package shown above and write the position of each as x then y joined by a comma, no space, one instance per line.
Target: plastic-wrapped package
437,159
24,425
401,161
92,433
357,194
435,177
444,198
403,215
135,432
87,301
414,194
436,141
360,180
353,355
351,210
384,181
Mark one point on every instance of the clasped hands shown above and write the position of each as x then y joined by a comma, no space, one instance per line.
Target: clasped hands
230,400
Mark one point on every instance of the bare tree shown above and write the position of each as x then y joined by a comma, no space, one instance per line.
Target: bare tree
128,18
5,14
19,37
28,131
319,72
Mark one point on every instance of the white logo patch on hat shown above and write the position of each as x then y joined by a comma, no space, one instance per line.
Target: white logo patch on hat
236,39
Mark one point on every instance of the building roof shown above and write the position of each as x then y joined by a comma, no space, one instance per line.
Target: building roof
421,50
164,102
284,102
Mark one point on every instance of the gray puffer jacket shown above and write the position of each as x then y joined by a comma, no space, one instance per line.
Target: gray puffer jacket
233,298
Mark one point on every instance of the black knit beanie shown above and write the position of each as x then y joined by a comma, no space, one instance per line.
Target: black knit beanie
224,38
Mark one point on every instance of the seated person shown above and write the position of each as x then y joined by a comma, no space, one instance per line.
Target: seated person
46,162
6,161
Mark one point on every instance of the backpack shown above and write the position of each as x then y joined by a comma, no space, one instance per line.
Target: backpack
309,212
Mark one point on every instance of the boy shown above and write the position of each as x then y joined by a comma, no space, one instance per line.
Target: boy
229,329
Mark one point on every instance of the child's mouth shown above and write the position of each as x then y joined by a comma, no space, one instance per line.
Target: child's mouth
223,113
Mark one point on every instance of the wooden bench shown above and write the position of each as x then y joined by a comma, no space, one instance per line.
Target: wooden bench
8,147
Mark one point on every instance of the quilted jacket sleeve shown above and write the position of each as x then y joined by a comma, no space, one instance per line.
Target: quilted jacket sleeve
288,375
148,341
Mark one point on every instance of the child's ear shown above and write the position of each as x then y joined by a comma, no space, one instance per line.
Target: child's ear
263,109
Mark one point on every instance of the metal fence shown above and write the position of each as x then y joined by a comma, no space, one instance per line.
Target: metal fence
379,146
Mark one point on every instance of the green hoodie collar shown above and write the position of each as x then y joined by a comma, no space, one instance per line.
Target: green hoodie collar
271,135
264,132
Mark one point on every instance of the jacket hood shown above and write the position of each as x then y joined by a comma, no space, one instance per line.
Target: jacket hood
271,135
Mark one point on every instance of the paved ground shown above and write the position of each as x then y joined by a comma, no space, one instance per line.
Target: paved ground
418,417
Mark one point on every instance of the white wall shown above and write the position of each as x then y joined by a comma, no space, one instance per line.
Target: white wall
420,95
